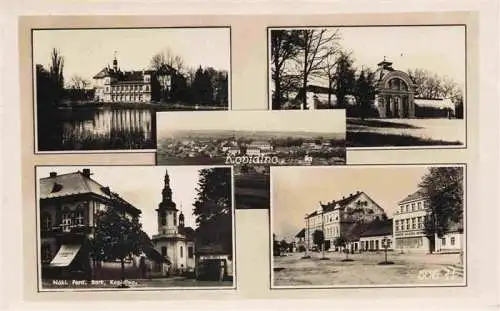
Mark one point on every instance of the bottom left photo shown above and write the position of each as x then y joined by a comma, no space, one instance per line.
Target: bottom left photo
126,227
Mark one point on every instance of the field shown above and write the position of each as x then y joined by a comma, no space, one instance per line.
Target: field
408,269
405,132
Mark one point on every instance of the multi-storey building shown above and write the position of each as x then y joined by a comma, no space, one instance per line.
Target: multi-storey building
345,217
68,207
112,85
409,223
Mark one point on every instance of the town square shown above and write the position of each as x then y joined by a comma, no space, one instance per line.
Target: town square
375,236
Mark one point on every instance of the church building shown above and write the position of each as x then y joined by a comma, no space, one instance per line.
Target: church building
174,241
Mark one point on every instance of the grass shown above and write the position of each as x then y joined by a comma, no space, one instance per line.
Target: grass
369,139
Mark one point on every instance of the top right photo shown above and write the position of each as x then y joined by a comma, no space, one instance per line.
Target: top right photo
402,86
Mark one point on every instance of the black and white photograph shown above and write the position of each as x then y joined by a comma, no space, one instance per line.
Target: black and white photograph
401,86
251,141
354,226
102,229
98,89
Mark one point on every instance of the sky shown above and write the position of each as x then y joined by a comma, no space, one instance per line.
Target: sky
316,121
142,187
87,51
440,49
298,190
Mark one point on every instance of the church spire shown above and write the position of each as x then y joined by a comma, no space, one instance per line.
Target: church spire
167,202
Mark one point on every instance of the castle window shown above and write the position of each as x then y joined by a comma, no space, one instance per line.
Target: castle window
182,252
164,251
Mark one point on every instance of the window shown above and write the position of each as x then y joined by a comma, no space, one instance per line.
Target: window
46,252
397,225
77,218
182,252
413,223
407,207
66,221
452,241
443,241
407,221
175,220
412,207
420,222
376,244
402,209
419,204
46,222
164,251
190,252
163,219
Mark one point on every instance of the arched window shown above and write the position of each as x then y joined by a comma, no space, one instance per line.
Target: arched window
182,252
397,84
163,219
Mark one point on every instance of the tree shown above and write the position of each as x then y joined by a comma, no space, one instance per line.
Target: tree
342,242
365,92
166,57
318,238
115,237
345,78
213,209
443,187
314,47
283,49
284,245
330,69
78,82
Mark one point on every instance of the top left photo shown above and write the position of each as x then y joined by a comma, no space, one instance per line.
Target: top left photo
98,89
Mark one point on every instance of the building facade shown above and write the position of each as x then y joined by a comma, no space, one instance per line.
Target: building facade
68,207
344,217
174,241
409,223
394,92
377,236
112,85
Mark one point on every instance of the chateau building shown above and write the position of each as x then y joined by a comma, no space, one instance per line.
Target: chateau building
346,217
174,241
409,224
111,84
68,207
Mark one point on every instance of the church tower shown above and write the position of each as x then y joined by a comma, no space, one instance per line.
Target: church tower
167,211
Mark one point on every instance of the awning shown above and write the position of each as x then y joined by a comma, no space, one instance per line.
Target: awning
65,255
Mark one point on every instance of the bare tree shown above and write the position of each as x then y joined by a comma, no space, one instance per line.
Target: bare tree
315,47
78,82
330,70
167,58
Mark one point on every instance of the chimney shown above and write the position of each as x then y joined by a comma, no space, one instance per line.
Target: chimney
343,198
53,174
357,192
86,172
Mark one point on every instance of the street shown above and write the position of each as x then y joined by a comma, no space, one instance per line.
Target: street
408,269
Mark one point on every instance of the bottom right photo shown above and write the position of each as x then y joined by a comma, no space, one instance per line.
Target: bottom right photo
368,226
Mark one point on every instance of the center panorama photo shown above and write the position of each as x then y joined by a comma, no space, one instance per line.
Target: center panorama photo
251,141
99,89
401,86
